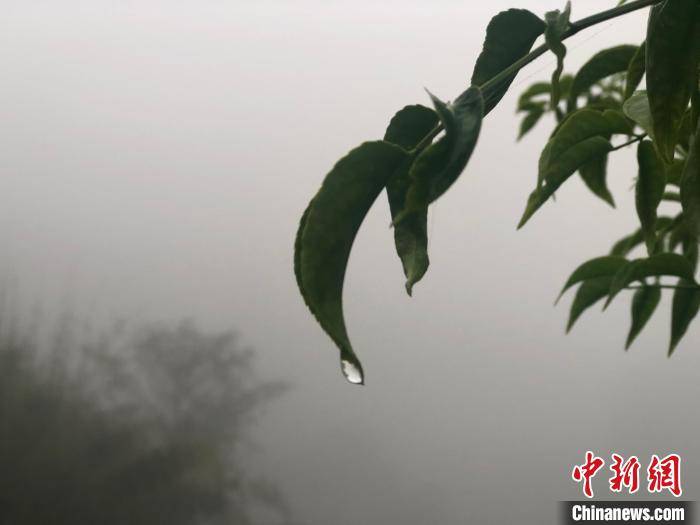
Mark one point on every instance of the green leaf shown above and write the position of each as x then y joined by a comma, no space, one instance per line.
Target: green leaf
637,108
649,190
686,303
674,172
530,121
644,303
606,266
600,66
580,139
690,187
509,37
561,170
670,264
441,164
625,245
635,70
672,55
589,293
535,90
328,229
407,129
594,174
557,25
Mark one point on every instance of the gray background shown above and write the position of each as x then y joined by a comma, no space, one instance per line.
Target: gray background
156,157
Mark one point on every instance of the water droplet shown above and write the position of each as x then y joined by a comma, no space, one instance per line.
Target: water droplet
352,372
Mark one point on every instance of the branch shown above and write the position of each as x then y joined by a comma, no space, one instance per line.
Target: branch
637,138
665,286
574,27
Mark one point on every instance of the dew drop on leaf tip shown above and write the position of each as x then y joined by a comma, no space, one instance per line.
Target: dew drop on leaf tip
352,372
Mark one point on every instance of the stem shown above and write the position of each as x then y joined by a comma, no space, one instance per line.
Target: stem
665,286
574,27
637,138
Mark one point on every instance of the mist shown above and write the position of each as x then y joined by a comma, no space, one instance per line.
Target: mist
157,157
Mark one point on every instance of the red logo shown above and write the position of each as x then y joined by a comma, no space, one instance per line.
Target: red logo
625,474
586,472
665,474
662,474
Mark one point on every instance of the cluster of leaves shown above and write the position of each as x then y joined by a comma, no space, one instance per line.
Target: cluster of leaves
598,111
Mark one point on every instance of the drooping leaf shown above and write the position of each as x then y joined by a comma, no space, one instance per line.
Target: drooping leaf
686,303
637,108
440,164
530,120
635,70
328,229
606,266
644,303
509,37
557,25
690,187
580,139
594,174
672,56
407,129
649,190
669,264
588,294
600,66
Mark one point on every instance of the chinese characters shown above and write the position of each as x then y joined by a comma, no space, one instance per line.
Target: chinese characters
661,474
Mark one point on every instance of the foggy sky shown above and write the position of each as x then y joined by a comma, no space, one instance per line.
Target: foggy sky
156,157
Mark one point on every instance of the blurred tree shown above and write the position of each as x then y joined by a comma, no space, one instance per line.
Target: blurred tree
132,429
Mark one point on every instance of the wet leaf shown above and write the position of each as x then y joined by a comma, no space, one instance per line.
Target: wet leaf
328,229
644,303
557,25
669,264
635,70
407,129
672,55
441,164
509,37
686,303
588,294
606,266
649,190
600,66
